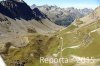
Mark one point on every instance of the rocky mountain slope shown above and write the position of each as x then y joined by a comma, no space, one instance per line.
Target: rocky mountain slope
63,16
20,38
92,17
80,44
18,20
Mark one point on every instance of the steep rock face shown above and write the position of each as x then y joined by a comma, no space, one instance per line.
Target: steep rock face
18,10
39,14
5,11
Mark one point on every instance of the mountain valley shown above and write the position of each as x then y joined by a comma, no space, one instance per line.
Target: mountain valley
27,34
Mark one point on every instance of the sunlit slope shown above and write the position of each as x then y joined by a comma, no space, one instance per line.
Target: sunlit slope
87,38
80,39
81,42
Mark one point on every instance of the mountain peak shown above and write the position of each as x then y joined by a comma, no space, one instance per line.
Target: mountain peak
18,10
